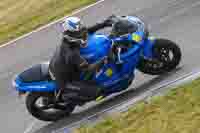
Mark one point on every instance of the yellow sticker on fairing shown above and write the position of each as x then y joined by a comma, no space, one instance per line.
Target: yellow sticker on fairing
99,99
136,37
109,72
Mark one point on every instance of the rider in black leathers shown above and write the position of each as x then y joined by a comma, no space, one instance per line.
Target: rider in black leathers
67,63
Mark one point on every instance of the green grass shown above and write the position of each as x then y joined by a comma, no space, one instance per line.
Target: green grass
18,17
176,112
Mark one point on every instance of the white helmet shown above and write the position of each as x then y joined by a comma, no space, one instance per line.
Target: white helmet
71,24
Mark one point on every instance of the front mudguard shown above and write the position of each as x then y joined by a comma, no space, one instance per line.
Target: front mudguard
148,46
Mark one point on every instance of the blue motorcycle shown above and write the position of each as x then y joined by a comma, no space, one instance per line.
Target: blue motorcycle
147,54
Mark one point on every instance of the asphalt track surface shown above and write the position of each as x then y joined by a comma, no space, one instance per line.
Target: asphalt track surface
178,20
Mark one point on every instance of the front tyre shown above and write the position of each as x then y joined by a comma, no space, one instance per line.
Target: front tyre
44,113
167,56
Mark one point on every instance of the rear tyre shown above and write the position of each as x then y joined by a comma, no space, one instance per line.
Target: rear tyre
167,56
44,114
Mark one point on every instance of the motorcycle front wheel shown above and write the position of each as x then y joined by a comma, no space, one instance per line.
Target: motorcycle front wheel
167,56
46,111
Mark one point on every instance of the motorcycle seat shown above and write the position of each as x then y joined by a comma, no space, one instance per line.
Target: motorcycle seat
36,73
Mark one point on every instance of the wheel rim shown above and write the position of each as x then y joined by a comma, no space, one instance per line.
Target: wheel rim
49,107
166,55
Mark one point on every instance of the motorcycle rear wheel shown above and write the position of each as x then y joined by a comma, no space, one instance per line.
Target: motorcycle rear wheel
43,114
161,62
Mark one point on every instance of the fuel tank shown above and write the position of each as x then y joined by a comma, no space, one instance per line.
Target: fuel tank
98,46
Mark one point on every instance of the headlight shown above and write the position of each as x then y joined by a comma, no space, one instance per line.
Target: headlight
14,84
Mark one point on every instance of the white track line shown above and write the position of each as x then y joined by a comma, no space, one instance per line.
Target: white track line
54,22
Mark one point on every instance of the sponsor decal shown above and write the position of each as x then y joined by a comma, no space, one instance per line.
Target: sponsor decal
109,72
136,37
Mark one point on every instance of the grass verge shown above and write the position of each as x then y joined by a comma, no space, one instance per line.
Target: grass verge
176,112
18,17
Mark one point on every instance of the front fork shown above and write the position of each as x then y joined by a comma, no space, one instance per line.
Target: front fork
57,94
